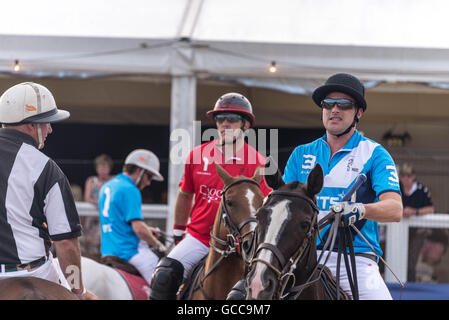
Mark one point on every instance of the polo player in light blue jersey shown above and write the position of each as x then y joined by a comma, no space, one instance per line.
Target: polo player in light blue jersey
344,153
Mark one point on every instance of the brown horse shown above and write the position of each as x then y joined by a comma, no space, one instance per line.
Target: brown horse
231,236
31,288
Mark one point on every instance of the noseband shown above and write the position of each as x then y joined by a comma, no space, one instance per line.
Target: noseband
287,267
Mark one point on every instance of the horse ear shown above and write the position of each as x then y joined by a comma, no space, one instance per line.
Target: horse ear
226,177
258,173
274,181
315,181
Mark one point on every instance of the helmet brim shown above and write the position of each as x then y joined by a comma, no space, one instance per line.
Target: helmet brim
49,117
156,175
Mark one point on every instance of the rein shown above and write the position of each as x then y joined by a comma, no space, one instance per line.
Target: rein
232,243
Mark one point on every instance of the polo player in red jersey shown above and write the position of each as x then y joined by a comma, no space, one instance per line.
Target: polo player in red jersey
200,191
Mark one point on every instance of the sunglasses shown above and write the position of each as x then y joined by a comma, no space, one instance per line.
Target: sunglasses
149,174
343,104
230,117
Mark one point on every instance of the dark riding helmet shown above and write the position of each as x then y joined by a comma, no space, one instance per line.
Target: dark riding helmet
345,83
233,103
341,82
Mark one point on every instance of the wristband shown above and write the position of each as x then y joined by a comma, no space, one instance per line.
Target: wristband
178,230
80,295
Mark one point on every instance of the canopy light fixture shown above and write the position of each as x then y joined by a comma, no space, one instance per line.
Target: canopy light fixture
273,67
16,66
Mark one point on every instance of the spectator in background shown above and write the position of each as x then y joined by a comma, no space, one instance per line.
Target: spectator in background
103,167
428,267
90,241
416,201
415,196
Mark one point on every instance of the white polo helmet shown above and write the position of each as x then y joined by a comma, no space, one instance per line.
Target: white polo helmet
29,102
147,160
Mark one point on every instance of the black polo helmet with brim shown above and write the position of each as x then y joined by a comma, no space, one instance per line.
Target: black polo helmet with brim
345,83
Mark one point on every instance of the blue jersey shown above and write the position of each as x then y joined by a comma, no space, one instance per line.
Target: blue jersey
359,155
119,203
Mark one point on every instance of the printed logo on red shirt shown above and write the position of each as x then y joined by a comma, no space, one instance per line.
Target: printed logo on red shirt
210,194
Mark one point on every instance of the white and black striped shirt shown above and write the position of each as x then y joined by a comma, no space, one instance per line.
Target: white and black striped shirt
36,203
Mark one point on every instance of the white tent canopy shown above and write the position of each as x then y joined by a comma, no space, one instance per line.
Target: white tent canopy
400,40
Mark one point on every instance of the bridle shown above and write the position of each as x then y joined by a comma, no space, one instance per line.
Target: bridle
234,238
287,267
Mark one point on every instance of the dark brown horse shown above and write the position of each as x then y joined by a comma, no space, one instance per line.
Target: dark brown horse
31,288
231,236
285,248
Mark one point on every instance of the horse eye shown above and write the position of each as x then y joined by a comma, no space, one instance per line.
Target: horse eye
305,225
229,203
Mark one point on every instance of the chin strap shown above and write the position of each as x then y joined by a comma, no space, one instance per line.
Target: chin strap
139,177
39,136
356,120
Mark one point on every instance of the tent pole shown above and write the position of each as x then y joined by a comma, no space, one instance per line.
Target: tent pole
182,136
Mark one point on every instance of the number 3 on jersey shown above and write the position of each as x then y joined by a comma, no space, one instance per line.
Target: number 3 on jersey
394,176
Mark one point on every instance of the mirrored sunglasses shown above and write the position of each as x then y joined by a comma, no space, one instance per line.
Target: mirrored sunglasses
230,117
343,104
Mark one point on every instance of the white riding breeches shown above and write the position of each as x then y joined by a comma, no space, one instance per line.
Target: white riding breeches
189,252
145,261
49,271
370,283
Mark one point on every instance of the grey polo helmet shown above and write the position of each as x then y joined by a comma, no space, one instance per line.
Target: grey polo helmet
147,160
29,102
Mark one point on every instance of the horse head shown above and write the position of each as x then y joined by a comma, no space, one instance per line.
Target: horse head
241,197
285,235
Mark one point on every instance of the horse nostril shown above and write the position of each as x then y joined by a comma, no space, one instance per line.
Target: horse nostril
267,292
269,286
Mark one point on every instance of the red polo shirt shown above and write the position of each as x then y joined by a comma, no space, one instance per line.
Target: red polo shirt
201,178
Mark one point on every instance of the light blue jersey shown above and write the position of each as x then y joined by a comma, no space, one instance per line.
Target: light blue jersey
359,155
119,203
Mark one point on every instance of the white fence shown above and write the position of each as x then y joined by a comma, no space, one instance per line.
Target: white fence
396,240
149,211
